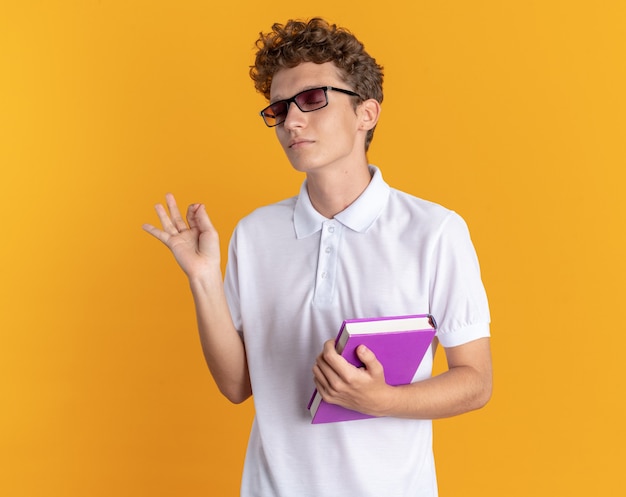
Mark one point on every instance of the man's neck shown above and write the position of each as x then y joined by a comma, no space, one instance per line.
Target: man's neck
333,191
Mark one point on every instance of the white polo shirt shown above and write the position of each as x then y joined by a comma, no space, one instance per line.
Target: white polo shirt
292,277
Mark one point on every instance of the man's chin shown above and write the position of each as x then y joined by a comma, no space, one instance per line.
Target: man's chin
301,166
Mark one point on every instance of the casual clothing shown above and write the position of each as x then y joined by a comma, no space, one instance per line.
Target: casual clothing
292,277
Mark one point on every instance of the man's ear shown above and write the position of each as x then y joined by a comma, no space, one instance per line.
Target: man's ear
370,112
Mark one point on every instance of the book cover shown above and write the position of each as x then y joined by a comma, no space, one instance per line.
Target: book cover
399,343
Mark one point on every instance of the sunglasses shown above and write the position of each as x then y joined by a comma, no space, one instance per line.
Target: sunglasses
307,101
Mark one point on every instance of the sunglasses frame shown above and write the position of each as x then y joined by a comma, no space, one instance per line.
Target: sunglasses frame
288,101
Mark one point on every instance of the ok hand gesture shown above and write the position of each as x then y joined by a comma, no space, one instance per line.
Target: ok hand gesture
195,243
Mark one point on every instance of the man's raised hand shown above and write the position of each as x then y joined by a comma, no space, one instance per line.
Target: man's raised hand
195,243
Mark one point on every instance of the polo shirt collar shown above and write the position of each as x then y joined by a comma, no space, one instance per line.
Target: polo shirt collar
358,216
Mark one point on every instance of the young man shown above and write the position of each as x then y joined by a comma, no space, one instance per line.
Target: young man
347,246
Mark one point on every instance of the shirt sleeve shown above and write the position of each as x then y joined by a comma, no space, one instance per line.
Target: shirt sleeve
457,295
231,284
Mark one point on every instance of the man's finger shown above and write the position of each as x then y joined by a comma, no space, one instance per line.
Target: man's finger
367,357
177,218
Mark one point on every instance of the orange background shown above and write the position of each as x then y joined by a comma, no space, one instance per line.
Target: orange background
511,113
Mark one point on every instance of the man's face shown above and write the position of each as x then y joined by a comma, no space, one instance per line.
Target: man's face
328,138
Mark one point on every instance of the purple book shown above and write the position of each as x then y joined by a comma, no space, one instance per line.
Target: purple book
399,343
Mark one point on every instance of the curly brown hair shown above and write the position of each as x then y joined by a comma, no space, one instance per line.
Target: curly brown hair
317,41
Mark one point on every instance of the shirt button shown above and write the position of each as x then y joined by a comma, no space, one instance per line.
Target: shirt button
324,275
328,250
331,229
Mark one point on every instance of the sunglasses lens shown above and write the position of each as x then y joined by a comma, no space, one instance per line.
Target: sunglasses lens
275,113
311,99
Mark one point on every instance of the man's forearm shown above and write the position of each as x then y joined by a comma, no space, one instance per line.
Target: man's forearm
465,386
458,390
222,346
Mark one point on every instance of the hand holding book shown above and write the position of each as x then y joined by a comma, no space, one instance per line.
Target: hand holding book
362,389
394,348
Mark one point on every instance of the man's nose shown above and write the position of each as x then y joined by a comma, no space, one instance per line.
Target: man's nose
295,117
